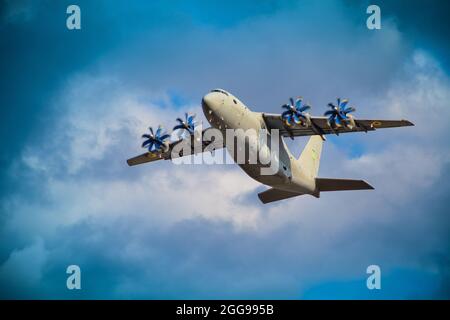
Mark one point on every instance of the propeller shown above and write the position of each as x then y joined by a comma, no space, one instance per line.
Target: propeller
340,114
295,112
186,126
155,141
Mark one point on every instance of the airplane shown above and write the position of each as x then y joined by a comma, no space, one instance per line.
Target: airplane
292,176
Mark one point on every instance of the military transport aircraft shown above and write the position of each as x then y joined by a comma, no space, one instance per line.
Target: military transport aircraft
292,176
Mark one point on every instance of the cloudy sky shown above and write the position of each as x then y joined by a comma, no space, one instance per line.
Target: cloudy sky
73,105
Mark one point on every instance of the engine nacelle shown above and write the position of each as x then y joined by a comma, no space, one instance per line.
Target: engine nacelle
307,121
350,122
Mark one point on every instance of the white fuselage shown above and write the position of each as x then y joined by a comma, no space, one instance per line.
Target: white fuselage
224,111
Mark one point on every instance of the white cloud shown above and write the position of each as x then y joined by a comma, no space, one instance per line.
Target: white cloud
411,160
421,93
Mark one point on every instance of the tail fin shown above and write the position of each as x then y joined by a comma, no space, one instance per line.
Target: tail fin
309,160
272,194
324,184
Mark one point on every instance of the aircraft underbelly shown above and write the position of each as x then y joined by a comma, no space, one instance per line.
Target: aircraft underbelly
240,118
254,171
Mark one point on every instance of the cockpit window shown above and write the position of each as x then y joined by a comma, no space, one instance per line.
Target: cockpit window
221,91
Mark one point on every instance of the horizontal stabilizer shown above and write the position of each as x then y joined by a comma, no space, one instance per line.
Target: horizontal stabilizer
273,194
324,184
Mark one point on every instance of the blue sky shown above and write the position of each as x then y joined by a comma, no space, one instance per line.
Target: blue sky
74,104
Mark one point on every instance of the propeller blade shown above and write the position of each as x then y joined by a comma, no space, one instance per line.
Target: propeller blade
146,142
304,108
164,137
288,118
283,115
348,110
157,144
332,117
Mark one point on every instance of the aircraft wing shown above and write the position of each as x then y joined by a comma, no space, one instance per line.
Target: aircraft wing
320,126
180,148
146,157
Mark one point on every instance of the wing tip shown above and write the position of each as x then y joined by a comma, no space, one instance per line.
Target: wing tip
143,158
369,187
261,198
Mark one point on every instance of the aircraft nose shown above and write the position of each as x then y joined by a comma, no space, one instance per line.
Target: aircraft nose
208,101
212,104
